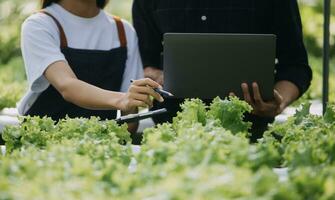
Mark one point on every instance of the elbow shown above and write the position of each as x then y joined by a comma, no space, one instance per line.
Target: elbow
65,89
66,96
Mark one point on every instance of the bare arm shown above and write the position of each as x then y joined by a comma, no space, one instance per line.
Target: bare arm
85,95
61,76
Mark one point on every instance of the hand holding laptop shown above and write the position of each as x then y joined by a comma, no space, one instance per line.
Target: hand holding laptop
273,107
260,107
205,66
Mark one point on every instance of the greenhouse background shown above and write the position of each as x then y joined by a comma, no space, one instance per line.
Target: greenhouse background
203,154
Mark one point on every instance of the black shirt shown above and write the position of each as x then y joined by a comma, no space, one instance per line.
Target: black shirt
153,18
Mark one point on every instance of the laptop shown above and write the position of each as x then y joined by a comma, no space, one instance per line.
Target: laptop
198,65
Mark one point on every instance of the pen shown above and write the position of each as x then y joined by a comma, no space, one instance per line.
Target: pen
162,92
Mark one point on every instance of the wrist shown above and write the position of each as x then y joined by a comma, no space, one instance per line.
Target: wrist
289,92
116,100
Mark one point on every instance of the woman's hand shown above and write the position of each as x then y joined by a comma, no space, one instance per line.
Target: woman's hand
139,95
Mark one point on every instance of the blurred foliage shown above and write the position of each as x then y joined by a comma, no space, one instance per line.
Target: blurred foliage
13,12
12,83
312,20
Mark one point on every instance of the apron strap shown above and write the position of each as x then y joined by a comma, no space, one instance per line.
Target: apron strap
63,40
121,31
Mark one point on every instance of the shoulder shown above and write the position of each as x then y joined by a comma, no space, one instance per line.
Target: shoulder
130,33
39,22
128,27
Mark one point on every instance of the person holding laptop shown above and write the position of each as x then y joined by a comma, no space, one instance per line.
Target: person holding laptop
153,18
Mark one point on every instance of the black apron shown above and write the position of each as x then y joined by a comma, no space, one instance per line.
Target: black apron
103,69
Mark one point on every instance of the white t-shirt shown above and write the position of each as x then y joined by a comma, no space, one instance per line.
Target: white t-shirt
40,44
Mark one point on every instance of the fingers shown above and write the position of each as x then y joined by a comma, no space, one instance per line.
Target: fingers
136,104
145,86
141,97
257,95
131,103
278,97
140,93
246,93
279,101
146,91
260,107
146,82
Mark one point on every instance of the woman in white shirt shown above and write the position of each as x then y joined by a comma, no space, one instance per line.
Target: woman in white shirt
80,62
